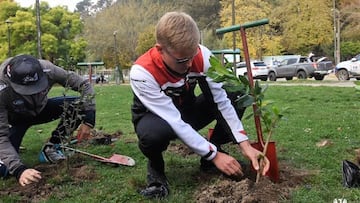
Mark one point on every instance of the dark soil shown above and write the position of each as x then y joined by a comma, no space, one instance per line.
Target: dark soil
223,190
245,189
74,170
60,173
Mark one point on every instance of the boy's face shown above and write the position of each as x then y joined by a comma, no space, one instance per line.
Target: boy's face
177,61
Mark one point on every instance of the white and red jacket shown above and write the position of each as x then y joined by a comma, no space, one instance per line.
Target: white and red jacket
162,93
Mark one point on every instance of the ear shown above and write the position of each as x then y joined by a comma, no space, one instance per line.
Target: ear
159,48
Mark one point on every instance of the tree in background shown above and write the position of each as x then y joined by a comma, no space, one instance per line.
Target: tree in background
350,28
146,40
206,13
60,33
349,17
7,10
296,27
135,20
306,25
129,19
247,11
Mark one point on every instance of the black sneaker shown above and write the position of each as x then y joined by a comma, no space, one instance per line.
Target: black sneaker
51,153
155,190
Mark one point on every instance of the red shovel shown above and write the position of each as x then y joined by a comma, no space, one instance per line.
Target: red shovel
270,153
116,159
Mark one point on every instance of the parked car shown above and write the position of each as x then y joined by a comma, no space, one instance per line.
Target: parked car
348,69
259,70
302,68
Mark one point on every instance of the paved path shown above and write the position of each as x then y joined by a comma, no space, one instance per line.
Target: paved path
329,80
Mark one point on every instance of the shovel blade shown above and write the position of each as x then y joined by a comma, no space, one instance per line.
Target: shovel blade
119,160
273,172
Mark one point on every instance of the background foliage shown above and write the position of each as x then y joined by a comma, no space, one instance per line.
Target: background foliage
87,34
61,33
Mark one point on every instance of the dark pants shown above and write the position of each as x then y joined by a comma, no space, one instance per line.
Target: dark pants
53,110
155,134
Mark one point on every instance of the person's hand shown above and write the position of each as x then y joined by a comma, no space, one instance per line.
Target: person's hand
227,164
29,176
254,156
83,132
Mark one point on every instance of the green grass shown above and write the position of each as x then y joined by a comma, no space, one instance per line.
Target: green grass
315,113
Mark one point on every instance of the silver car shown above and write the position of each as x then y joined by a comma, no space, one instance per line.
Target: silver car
302,68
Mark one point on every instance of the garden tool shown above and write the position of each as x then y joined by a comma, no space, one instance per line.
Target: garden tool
270,153
116,159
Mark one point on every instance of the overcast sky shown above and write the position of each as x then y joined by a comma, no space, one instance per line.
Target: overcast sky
71,4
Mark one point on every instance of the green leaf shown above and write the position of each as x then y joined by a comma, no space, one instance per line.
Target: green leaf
244,80
245,101
270,115
218,67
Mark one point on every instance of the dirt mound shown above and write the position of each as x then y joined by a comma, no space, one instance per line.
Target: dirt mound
246,190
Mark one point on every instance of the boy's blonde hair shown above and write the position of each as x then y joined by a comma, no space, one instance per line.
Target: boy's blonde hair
177,31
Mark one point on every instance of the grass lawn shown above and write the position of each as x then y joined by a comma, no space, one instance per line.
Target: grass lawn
315,114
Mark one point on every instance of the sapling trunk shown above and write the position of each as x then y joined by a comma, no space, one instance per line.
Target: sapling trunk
258,175
270,124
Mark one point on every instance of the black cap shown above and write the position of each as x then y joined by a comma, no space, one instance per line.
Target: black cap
26,75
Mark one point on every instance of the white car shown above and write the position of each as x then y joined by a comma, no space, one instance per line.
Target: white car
348,69
259,70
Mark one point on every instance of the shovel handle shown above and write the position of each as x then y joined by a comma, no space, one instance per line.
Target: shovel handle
245,25
251,83
85,153
247,61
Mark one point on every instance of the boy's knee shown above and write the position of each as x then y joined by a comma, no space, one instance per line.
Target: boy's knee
153,141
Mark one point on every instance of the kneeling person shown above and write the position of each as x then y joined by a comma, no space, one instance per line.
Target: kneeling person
24,86
166,106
